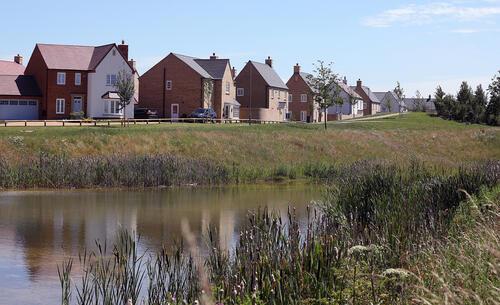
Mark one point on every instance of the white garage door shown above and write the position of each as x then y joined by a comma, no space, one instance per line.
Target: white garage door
18,110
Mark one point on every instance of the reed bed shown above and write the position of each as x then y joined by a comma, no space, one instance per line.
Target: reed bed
53,171
368,242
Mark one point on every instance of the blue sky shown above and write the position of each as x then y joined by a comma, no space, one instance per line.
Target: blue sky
420,43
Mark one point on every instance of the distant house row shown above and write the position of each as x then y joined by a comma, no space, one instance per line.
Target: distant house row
64,81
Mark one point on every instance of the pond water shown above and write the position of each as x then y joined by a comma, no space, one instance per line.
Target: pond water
38,230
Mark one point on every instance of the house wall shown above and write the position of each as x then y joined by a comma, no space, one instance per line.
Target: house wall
346,110
47,82
110,64
186,87
297,86
255,87
67,92
389,98
367,106
220,95
38,69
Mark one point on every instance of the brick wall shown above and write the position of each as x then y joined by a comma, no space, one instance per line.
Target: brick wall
47,82
255,87
186,87
297,86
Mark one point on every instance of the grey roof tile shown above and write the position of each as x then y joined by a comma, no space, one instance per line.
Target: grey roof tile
270,76
214,67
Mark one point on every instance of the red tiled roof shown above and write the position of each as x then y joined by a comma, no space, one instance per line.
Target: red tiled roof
10,68
18,85
70,57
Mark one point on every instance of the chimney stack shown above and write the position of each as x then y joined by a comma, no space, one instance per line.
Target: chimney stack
214,56
269,61
345,80
359,84
18,59
233,72
133,64
296,68
123,48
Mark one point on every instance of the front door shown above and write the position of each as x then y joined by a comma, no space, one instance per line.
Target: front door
227,112
174,111
77,104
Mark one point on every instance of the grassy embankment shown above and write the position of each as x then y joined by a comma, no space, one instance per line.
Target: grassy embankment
230,153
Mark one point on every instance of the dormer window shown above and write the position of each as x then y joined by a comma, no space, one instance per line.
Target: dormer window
61,78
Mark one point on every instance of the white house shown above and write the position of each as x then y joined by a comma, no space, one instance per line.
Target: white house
351,107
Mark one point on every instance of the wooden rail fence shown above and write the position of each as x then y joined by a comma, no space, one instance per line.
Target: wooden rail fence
109,122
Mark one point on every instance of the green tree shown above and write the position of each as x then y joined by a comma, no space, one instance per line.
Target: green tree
418,101
324,82
492,115
400,93
479,105
125,88
440,106
465,99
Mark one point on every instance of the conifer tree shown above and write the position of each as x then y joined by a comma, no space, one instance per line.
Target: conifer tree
493,109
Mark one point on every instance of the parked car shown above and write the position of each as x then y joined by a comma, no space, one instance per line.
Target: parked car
145,113
203,113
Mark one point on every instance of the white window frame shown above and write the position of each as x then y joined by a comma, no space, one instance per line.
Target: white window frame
61,78
303,98
168,85
303,116
228,88
78,78
290,98
109,80
111,107
60,106
240,92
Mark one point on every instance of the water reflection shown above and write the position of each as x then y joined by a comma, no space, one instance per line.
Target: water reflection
39,229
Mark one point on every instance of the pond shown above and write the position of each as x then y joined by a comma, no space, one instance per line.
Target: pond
38,230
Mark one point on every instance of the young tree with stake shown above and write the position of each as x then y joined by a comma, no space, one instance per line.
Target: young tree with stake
125,89
400,93
324,84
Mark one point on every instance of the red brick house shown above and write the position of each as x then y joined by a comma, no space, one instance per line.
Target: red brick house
371,104
261,92
19,93
77,79
301,105
179,84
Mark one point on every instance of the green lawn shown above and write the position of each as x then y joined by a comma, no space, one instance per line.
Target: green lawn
413,136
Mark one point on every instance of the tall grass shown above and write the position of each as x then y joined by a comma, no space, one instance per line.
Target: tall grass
360,246
53,171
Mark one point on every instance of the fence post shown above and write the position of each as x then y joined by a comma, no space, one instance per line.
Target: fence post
25,123
44,123
63,123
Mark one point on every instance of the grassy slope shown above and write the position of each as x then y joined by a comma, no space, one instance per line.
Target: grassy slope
412,136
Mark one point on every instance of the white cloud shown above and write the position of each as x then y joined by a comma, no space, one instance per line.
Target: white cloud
414,14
